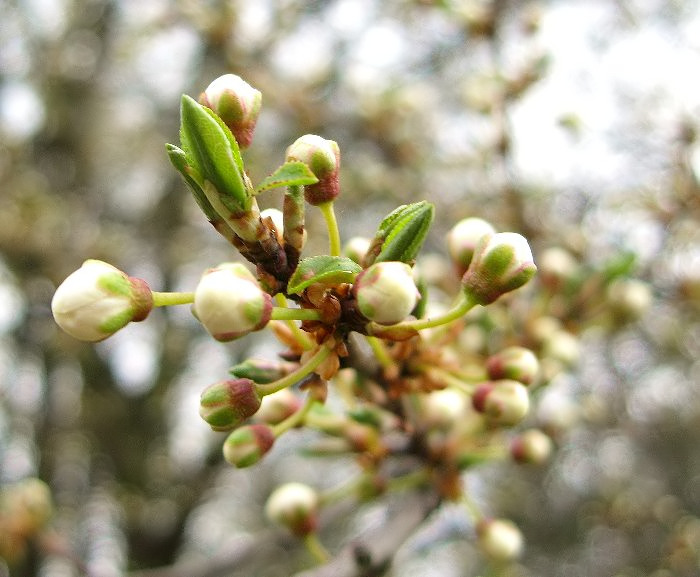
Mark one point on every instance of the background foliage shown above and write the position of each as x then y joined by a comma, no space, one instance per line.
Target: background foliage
571,122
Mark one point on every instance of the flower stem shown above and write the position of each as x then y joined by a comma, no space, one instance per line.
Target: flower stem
169,299
380,352
316,548
287,381
295,419
285,314
301,337
463,306
332,225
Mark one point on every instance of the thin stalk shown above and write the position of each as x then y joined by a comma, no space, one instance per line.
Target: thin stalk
285,314
301,337
380,352
295,419
287,381
316,548
332,225
409,481
463,306
169,299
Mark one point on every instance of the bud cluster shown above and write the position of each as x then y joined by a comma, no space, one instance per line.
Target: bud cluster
412,388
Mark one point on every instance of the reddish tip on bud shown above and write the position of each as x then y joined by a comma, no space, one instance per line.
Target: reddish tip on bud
503,403
226,404
247,445
386,292
532,446
229,302
516,363
98,299
323,159
295,506
502,262
237,103
499,539
463,238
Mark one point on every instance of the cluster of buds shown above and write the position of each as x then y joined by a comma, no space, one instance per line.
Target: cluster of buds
316,306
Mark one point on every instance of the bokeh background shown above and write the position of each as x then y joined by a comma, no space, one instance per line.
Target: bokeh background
573,122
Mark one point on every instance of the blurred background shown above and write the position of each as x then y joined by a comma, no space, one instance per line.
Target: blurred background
573,122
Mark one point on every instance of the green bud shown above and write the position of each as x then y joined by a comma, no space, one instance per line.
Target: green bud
516,363
503,403
237,103
323,159
295,506
386,292
98,299
278,406
229,302
226,404
502,262
247,445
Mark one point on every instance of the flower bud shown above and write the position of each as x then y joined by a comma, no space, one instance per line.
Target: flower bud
278,406
557,266
226,404
502,262
532,447
500,539
237,103
295,506
247,445
629,298
516,363
323,159
386,292
443,409
356,248
98,299
463,238
502,402
229,302
277,218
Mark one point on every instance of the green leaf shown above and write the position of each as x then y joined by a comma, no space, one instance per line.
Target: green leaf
403,231
178,158
324,269
289,174
212,151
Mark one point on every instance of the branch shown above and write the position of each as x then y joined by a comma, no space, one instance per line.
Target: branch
371,555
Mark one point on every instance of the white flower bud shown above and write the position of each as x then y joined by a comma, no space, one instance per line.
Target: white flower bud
532,446
503,403
237,103
629,298
442,409
500,539
98,299
323,159
386,292
229,302
295,506
502,262
517,363
463,238
356,248
277,218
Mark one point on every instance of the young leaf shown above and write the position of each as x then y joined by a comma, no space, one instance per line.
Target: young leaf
289,174
324,269
178,158
212,152
403,232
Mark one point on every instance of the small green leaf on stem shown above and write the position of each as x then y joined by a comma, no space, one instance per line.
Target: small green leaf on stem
324,269
401,234
289,174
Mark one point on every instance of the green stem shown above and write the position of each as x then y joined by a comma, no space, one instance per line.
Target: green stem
169,299
449,379
463,306
285,314
316,548
295,419
380,352
409,481
332,225
287,381
301,337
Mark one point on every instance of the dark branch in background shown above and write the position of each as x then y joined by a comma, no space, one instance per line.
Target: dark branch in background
372,554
